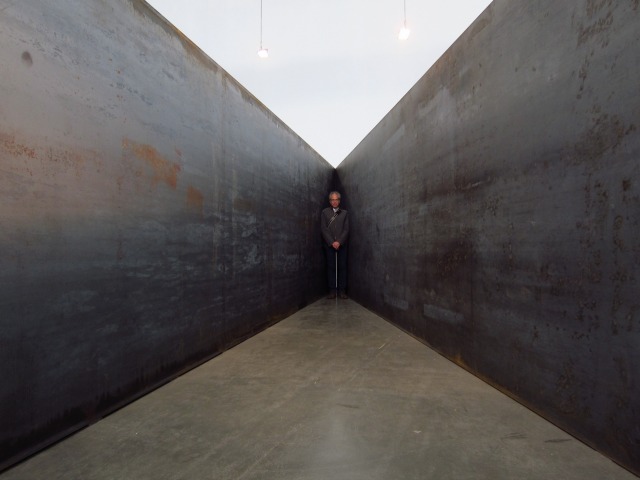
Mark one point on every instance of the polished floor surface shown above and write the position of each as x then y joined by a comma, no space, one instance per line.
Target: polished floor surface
332,392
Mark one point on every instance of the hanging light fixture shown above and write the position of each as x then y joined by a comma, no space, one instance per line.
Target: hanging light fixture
263,52
404,31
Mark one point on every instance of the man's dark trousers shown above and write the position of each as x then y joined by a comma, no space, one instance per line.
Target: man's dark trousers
342,267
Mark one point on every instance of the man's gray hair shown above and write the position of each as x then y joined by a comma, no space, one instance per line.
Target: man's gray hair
335,193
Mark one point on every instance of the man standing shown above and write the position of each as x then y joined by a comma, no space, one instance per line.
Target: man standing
334,224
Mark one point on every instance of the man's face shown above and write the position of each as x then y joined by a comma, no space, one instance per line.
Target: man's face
334,201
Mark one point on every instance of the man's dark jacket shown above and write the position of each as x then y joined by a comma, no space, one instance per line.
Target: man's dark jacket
338,230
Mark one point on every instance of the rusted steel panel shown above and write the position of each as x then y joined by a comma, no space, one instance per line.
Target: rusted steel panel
495,212
153,213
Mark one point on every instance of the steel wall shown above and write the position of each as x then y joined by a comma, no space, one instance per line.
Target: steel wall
495,212
153,213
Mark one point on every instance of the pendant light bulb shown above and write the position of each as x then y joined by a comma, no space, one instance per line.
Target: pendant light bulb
404,33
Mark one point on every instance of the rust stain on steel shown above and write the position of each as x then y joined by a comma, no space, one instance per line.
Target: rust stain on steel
14,148
602,21
195,199
242,205
48,160
163,169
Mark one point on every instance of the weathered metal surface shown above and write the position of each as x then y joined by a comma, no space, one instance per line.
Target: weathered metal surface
496,209
153,213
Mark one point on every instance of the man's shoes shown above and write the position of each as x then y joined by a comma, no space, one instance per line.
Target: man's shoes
333,295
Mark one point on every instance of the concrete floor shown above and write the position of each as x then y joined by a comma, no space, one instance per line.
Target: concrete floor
332,392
